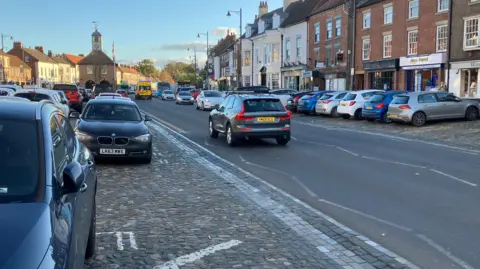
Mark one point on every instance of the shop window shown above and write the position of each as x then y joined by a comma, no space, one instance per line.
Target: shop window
275,81
382,80
470,78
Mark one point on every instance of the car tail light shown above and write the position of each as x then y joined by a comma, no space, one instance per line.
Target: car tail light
404,107
352,103
241,115
380,106
295,99
327,101
289,116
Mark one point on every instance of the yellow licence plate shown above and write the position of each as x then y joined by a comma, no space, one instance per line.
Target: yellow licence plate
266,119
369,107
344,104
392,116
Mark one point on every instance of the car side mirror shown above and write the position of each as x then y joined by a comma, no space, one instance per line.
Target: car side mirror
65,102
217,107
74,115
73,178
147,118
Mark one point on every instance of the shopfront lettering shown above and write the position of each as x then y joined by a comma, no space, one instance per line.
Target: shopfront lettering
419,60
475,64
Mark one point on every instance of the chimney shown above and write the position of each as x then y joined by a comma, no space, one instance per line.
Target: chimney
81,55
50,54
18,45
39,48
263,8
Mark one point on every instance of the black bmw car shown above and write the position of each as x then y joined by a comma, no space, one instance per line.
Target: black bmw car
115,128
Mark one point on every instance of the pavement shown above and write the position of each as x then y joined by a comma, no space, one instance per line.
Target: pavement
414,193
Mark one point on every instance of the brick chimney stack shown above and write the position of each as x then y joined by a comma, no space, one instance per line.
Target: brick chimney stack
18,44
263,8
39,48
50,54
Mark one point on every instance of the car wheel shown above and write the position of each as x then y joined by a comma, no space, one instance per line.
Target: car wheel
213,133
231,141
203,106
90,250
385,118
471,114
282,141
419,119
358,114
334,113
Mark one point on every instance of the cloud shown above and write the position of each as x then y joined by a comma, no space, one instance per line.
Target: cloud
222,31
199,46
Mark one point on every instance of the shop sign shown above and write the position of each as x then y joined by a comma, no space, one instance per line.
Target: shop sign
436,58
320,65
381,65
306,74
466,65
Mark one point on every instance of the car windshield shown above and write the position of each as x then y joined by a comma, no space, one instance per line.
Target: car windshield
259,105
400,100
350,97
213,94
145,88
326,96
121,92
19,160
377,98
168,92
112,112
184,94
34,97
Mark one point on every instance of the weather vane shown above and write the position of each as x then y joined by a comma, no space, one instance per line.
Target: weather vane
95,25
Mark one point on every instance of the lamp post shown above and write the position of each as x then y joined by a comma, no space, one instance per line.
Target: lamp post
2,36
239,66
195,63
207,78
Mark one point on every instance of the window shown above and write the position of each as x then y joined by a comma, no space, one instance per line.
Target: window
337,48
265,54
69,133
247,59
299,47
366,20
442,38
328,56
259,105
366,49
33,97
317,32
59,148
412,42
287,50
470,33
229,105
90,69
338,26
257,57
443,5
112,112
387,46
427,98
388,15
246,81
275,81
104,69
27,58
446,97
413,9
276,52
329,29
316,51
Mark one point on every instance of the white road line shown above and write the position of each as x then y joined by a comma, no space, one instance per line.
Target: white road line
367,215
317,144
133,242
300,183
119,240
190,258
399,163
454,178
445,252
293,138
348,151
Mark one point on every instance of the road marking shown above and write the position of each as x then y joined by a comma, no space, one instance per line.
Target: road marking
394,162
300,183
177,129
348,151
454,178
366,215
190,258
445,252
293,138
119,237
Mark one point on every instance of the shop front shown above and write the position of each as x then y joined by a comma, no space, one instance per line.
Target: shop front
292,77
336,81
381,75
425,72
464,79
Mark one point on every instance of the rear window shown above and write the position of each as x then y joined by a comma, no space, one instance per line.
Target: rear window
145,88
259,105
213,94
19,160
326,96
350,97
377,98
368,95
61,87
34,97
121,91
168,92
400,100
185,93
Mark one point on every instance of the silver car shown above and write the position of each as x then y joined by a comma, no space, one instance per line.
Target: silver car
184,97
419,107
168,95
209,99
328,103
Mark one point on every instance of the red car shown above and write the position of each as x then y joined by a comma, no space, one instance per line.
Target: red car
195,93
123,93
72,92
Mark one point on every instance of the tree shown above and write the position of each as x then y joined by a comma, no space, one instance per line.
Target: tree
165,77
147,67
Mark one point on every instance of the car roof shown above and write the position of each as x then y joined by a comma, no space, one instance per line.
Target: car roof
256,96
367,90
18,109
14,98
38,90
420,93
111,100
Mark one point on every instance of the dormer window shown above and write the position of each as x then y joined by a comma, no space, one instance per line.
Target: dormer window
261,26
276,21
249,31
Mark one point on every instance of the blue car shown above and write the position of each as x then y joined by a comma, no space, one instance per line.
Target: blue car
376,108
307,103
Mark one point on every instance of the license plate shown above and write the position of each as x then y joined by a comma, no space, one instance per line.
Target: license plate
392,116
112,151
369,107
343,104
300,103
266,119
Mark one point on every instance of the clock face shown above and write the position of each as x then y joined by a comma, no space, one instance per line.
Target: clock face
96,46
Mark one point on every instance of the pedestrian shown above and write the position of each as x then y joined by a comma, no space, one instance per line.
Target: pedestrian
442,87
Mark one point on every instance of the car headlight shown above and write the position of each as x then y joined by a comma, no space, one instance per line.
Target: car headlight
143,138
192,99
83,136
206,100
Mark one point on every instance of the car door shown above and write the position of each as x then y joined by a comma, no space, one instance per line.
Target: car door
228,113
429,104
218,115
200,97
450,107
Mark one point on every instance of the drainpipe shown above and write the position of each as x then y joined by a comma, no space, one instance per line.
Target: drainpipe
281,61
252,60
447,80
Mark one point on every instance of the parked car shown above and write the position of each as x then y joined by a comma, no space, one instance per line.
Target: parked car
168,95
6,92
292,102
13,98
48,189
328,103
377,106
72,92
84,94
419,107
37,95
351,105
209,99
284,95
307,103
123,93
14,87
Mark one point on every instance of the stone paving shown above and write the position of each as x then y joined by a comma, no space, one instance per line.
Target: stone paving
191,209
453,132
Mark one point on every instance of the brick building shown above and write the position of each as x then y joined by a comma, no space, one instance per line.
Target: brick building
465,50
328,36
401,44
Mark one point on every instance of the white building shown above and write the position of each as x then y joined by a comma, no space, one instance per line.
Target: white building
247,54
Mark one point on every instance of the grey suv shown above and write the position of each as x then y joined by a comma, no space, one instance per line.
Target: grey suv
242,116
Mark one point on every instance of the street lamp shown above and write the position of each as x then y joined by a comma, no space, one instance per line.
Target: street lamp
198,36
2,36
239,66
195,63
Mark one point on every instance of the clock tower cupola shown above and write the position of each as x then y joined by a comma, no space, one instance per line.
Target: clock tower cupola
96,39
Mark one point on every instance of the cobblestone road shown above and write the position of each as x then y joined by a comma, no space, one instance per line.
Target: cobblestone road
190,209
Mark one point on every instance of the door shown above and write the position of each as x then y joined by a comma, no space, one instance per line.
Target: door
217,116
430,105
450,106
228,113
263,79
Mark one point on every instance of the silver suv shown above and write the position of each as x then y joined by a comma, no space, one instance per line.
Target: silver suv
245,116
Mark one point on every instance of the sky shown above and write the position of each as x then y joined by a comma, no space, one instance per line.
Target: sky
160,30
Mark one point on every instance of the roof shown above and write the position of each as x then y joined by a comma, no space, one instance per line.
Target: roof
15,61
367,3
74,59
299,11
38,90
40,56
61,60
96,57
326,5
13,109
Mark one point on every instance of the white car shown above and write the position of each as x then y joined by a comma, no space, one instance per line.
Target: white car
168,95
39,94
351,105
6,91
328,103
208,99
284,95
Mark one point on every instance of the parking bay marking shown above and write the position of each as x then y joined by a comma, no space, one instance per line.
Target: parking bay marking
120,239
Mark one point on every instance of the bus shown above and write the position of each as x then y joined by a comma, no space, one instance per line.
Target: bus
161,87
144,90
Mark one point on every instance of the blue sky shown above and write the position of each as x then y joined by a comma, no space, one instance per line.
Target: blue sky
141,28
